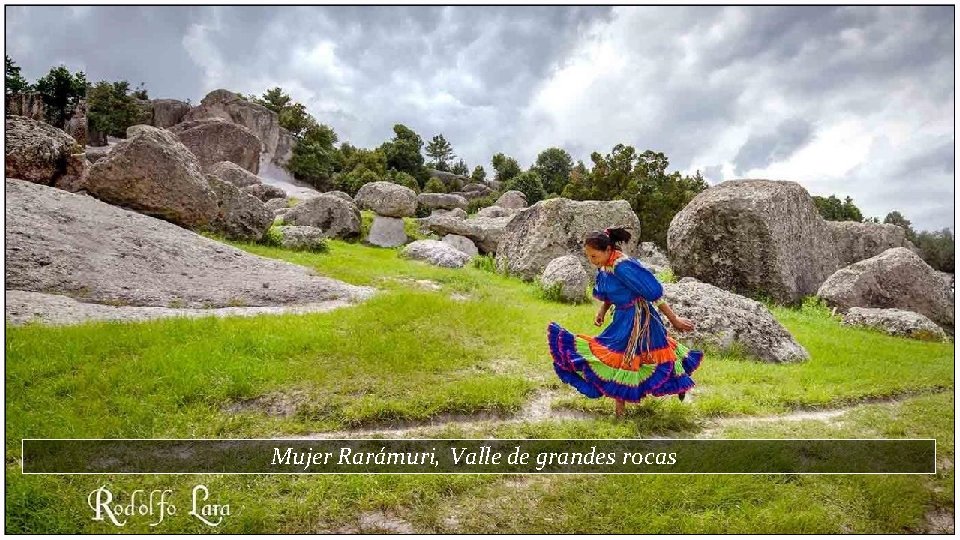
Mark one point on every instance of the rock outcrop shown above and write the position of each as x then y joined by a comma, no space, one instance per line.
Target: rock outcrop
75,245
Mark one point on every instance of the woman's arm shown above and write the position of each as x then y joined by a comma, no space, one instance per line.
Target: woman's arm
602,313
681,324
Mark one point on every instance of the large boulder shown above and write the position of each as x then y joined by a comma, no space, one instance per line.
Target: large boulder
512,199
858,241
568,273
387,232
897,278
233,107
38,152
485,232
154,174
229,171
754,237
461,243
241,216
66,243
557,227
896,322
387,199
725,320
333,215
213,140
443,201
436,253
168,112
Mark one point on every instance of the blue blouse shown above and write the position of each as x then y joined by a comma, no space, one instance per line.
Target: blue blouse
624,284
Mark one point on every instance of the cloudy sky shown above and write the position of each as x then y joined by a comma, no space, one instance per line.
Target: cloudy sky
854,101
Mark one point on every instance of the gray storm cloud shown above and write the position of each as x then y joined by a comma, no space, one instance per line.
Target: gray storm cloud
732,91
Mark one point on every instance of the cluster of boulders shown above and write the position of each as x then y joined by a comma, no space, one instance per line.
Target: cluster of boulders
765,238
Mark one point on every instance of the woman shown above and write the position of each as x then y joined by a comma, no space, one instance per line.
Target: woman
633,357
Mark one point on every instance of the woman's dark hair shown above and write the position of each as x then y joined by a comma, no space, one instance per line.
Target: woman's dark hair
608,237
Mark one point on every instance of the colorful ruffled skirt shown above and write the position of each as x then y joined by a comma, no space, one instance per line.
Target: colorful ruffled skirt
618,370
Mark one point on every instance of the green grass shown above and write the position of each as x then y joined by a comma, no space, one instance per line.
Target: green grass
411,353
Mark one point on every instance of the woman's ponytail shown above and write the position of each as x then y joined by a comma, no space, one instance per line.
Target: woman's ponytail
608,237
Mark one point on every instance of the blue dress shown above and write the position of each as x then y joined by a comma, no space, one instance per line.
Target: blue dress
632,357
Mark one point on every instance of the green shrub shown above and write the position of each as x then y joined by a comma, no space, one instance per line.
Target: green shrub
814,305
273,237
667,276
412,228
434,185
406,180
366,221
485,262
482,202
551,293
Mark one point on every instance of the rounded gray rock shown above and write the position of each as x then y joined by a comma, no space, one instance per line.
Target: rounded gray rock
387,232
436,253
896,322
497,211
387,199
444,201
241,216
568,272
214,140
723,318
754,237
229,171
897,278
331,214
36,151
461,243
512,199
301,238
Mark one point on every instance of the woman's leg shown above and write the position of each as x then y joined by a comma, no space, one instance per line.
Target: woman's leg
620,407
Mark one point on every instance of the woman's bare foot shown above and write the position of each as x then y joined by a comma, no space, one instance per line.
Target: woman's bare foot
621,407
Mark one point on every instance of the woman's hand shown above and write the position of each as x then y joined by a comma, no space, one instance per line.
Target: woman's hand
681,324
598,320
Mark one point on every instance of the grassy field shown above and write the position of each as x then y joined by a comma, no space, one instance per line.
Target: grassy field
437,342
